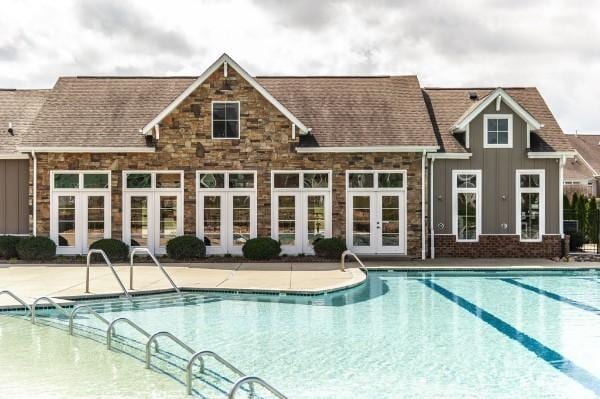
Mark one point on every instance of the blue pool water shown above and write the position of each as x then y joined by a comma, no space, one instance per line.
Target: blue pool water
426,335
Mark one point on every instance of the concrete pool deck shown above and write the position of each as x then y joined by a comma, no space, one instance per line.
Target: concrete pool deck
64,282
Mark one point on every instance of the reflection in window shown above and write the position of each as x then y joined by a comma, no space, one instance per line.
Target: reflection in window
95,180
531,212
497,131
467,216
66,180
95,215
168,180
286,180
466,181
286,208
139,221
390,180
315,217
316,180
360,180
241,180
361,216
168,219
212,180
241,219
139,180
66,221
212,220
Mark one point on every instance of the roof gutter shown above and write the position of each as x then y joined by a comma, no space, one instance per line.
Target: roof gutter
97,150
383,148
449,155
553,154
16,155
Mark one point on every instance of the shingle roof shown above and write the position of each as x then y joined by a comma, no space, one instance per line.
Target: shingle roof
588,146
447,106
18,107
356,111
99,111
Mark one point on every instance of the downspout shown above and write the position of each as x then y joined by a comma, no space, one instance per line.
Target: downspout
561,182
34,193
423,232
431,230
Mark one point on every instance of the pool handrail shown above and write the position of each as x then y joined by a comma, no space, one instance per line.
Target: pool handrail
254,380
51,302
78,308
134,251
16,298
343,262
110,332
167,334
199,356
111,267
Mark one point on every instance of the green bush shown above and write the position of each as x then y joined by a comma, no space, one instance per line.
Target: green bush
116,250
261,248
331,248
576,240
186,247
8,246
36,248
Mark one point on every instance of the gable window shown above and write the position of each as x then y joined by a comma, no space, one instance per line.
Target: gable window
497,130
226,120
466,204
530,204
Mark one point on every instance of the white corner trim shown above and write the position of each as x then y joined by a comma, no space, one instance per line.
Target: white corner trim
15,155
487,117
508,100
225,59
449,155
400,148
556,154
98,150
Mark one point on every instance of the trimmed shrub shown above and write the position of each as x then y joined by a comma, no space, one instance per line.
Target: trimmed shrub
8,246
116,250
186,247
261,248
36,248
576,240
330,248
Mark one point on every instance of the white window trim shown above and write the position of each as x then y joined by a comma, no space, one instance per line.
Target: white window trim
477,190
375,174
486,117
541,190
226,174
212,133
81,173
153,174
301,187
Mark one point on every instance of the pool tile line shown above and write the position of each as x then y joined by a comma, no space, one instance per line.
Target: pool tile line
552,295
550,356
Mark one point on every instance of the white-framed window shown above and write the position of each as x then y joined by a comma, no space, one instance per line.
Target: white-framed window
80,209
530,204
226,209
497,131
225,119
152,208
300,208
466,204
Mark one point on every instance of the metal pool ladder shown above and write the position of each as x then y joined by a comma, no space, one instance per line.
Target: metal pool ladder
156,262
51,302
16,298
111,267
254,380
343,262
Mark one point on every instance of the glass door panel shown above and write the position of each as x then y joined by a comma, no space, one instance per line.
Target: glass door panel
139,224
286,219
95,219
362,214
167,219
315,218
240,220
212,222
390,220
66,220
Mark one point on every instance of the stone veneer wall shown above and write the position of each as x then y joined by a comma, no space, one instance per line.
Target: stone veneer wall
500,246
265,144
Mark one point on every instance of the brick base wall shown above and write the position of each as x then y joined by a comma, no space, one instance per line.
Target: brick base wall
499,246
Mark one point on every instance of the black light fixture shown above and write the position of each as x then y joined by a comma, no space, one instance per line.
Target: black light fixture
11,131
149,140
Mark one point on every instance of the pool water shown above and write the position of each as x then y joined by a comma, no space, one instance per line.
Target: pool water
399,335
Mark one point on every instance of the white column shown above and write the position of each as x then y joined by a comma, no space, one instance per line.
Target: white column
423,230
431,229
561,183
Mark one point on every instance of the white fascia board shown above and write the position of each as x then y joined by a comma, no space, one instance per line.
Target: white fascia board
15,155
586,163
450,155
366,149
556,154
231,63
511,102
97,150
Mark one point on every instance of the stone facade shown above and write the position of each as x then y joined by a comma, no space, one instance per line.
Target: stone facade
500,246
265,144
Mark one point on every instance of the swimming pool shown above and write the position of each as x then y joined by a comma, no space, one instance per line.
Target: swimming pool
401,334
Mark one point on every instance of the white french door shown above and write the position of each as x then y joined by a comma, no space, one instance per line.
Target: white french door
78,219
376,222
300,218
152,219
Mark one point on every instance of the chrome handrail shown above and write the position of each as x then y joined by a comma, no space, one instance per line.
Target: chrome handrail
51,302
16,298
199,356
163,334
76,310
156,262
343,261
109,264
111,331
254,380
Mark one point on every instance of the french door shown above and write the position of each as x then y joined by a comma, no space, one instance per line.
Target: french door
226,220
300,218
79,219
376,222
152,219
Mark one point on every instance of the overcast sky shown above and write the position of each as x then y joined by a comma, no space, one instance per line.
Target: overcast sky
551,44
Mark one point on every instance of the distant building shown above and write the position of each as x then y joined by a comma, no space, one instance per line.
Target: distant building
581,172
